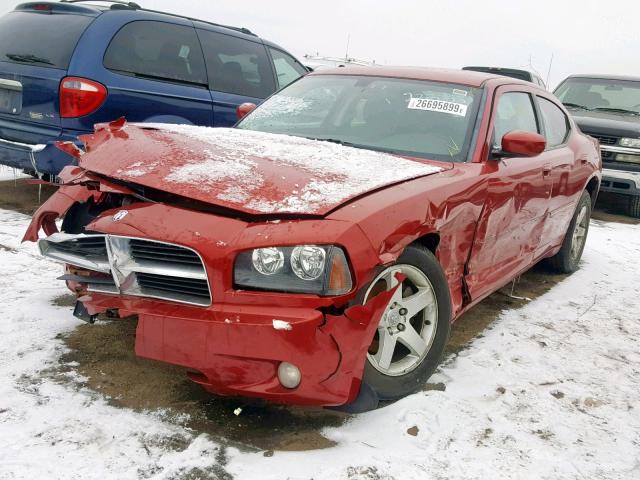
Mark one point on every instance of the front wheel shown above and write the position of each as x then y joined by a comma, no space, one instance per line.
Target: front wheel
634,206
414,329
568,258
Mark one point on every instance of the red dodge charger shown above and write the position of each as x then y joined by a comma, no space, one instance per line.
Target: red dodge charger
318,252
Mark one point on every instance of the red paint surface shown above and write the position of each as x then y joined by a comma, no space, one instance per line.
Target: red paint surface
490,219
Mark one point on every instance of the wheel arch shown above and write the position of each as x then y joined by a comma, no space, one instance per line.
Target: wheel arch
593,187
431,241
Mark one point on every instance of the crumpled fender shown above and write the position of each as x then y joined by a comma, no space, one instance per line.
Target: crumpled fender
354,336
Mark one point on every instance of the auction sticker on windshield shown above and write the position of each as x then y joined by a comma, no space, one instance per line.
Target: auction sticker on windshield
434,105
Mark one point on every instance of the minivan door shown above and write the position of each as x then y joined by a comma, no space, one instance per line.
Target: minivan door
239,71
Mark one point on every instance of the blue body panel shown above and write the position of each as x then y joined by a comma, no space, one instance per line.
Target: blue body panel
138,99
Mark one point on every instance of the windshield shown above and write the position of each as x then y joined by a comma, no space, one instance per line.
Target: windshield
621,96
409,117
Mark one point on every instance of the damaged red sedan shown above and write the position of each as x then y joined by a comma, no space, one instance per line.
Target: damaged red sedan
318,252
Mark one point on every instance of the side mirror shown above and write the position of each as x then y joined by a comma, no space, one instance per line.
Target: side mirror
245,109
521,144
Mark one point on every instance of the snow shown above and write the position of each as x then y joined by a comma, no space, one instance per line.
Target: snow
281,325
549,392
234,161
8,173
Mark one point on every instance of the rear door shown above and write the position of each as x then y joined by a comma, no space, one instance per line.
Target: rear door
36,46
239,71
512,222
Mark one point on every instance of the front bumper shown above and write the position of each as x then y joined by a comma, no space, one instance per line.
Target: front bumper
617,181
232,345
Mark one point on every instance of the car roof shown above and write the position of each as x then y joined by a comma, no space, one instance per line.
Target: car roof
463,77
606,77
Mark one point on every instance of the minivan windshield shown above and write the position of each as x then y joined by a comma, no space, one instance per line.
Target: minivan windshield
45,40
408,117
615,96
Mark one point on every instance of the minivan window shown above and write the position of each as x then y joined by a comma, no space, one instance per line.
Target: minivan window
236,65
45,40
555,122
157,50
287,68
515,112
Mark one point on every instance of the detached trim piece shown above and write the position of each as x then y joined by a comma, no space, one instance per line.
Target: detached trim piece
174,272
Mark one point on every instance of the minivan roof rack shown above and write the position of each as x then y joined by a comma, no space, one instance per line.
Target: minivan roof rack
132,5
135,6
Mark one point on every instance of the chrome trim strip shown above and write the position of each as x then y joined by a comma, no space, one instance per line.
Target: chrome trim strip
632,151
33,148
10,84
123,267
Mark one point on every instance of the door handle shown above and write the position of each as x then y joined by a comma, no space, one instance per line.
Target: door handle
546,170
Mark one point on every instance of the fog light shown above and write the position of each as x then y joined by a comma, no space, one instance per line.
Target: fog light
289,375
622,157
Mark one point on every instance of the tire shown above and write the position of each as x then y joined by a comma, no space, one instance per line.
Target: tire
634,206
425,282
568,258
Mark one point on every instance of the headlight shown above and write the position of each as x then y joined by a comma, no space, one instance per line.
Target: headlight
318,269
630,142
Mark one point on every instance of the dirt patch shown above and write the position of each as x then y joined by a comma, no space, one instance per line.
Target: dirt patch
22,196
104,354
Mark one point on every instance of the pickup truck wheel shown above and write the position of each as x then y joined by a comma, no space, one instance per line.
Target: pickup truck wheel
568,258
413,332
634,207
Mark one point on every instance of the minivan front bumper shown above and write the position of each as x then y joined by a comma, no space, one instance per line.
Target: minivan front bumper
44,158
618,181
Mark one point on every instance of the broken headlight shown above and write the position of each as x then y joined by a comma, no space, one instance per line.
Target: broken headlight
318,269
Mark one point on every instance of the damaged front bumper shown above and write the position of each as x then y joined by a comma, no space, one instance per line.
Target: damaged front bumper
189,312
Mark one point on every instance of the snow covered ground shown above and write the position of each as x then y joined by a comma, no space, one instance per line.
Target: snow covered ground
550,392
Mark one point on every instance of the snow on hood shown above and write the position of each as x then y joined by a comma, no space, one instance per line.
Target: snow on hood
254,172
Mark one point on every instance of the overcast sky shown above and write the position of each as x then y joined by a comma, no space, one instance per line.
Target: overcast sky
584,36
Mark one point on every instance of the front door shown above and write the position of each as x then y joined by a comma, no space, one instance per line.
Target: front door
512,221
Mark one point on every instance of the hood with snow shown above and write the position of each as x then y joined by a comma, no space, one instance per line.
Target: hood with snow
243,170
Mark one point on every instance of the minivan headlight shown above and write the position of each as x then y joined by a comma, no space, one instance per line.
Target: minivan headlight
630,142
318,269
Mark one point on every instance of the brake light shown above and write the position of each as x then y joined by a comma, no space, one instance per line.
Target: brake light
80,97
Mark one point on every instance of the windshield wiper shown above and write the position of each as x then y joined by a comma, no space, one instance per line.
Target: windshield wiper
617,110
339,142
575,105
27,58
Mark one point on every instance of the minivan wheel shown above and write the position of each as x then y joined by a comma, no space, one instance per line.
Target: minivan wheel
413,332
568,258
634,206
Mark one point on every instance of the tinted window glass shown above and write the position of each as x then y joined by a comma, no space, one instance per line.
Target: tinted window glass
515,112
555,123
45,40
157,50
596,93
287,68
236,65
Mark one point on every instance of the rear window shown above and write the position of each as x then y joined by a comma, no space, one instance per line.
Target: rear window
157,50
45,40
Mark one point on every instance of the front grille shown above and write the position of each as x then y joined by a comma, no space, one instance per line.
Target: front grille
160,285
139,267
607,156
605,140
163,252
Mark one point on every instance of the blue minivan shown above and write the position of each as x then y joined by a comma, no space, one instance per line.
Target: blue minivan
65,66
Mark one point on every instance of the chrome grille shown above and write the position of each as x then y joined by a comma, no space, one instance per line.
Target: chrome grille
139,267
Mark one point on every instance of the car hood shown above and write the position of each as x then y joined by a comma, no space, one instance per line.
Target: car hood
247,171
603,123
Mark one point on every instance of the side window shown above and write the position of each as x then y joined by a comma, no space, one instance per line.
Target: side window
515,112
157,50
236,65
556,124
287,68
